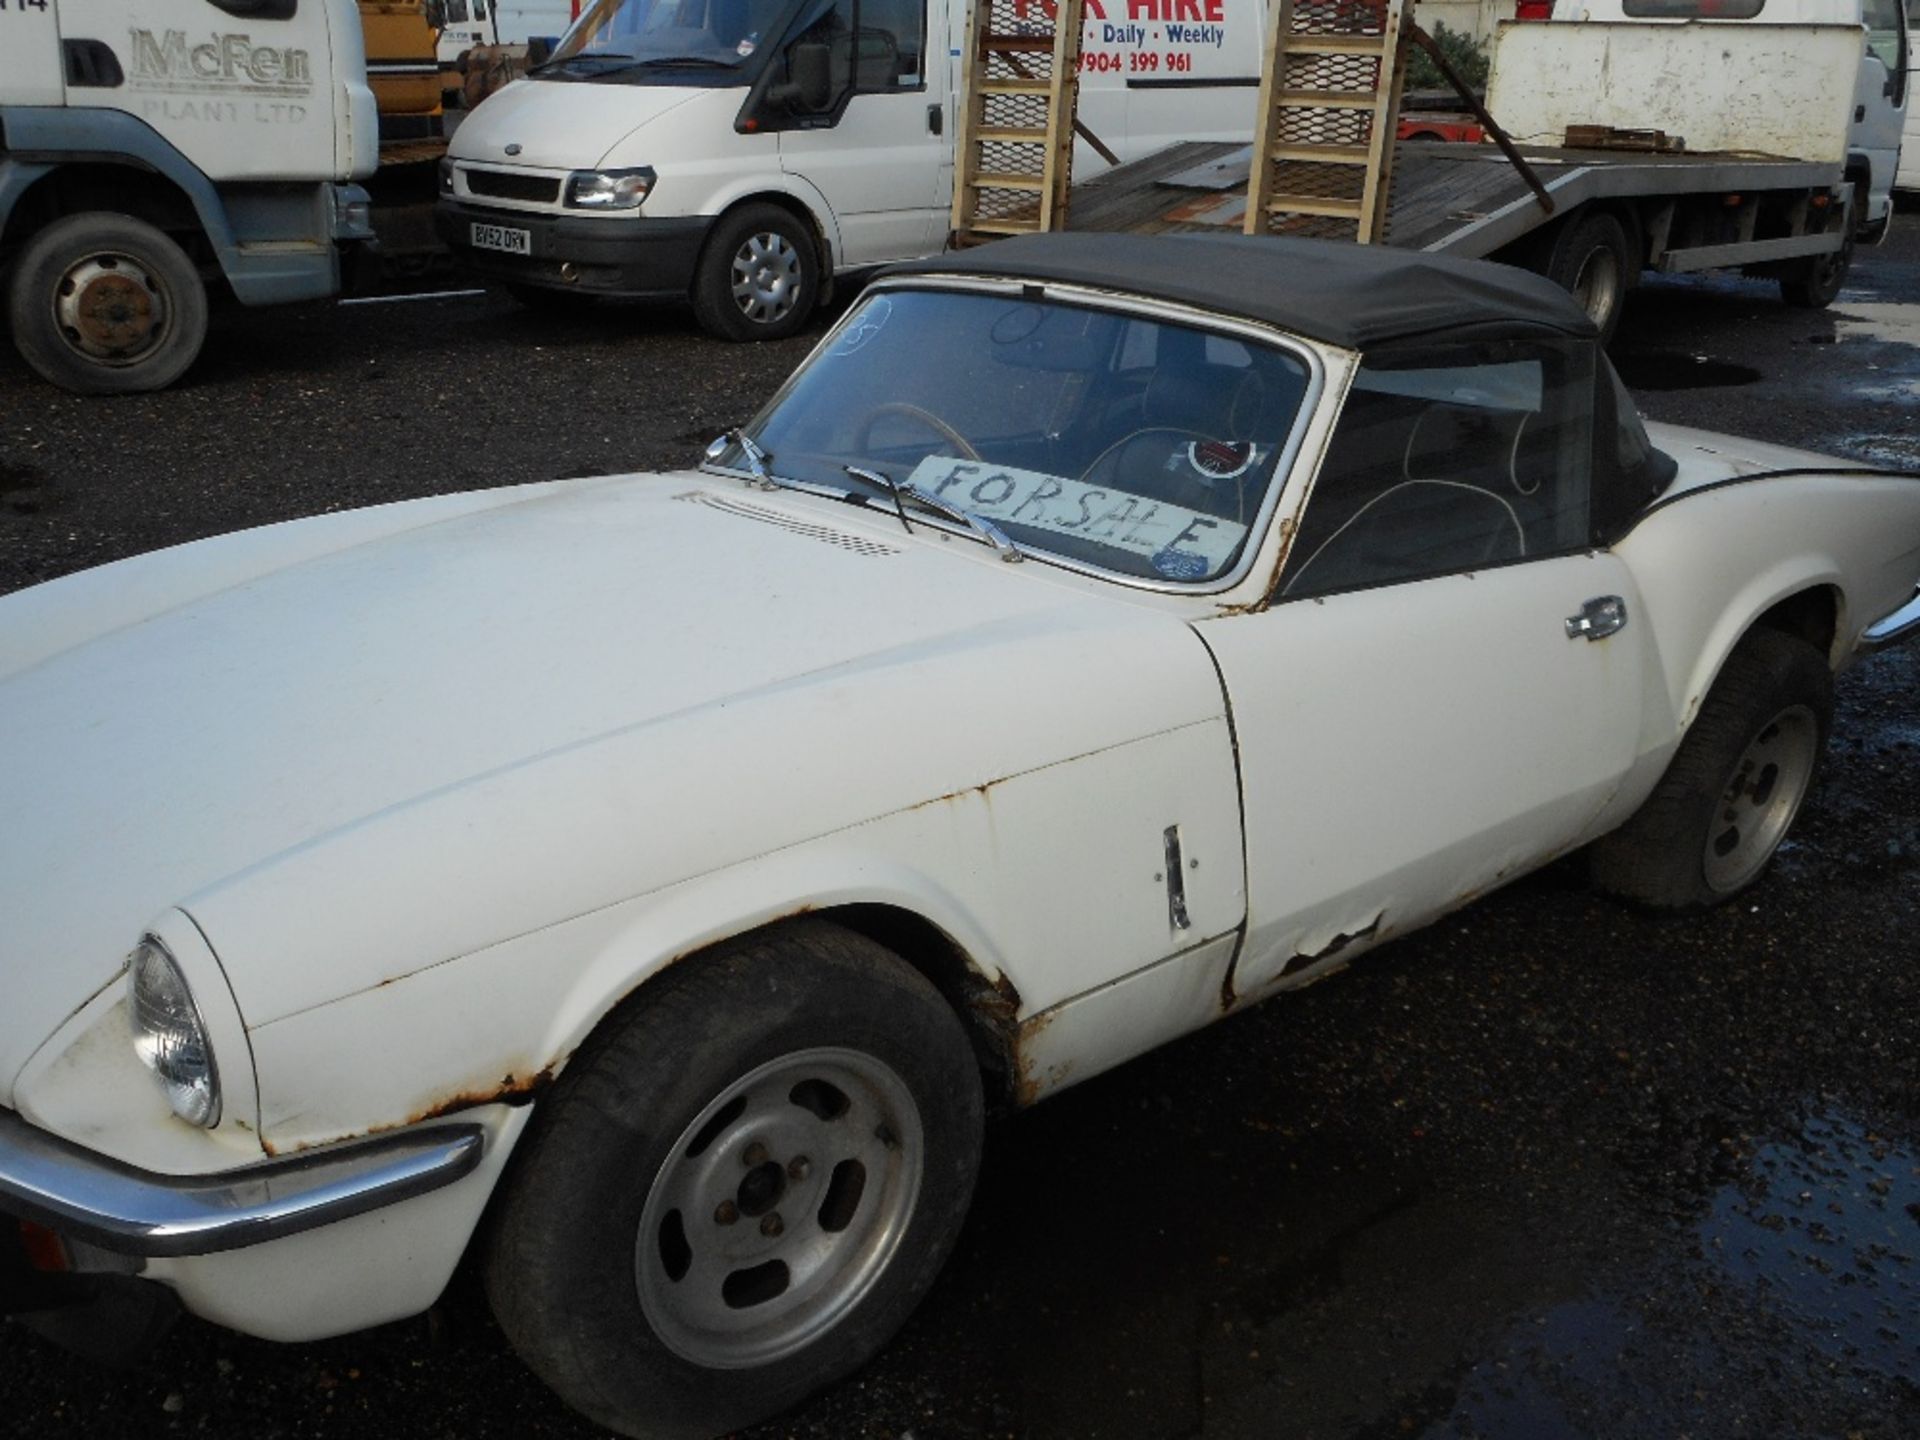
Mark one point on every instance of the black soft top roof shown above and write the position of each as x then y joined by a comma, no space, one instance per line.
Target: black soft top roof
1354,296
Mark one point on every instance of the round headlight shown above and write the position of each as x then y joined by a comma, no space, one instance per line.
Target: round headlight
169,1037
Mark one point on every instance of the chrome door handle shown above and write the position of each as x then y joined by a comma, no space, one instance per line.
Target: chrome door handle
1598,618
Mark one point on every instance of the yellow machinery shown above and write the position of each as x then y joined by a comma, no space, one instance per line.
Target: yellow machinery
403,67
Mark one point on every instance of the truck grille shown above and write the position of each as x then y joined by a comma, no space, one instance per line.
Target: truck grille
506,185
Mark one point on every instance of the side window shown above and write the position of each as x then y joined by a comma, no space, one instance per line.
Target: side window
863,46
1692,9
1450,458
1884,42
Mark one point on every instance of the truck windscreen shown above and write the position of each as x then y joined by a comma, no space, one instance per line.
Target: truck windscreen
664,41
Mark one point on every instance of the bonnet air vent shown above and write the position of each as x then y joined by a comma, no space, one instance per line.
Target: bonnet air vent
858,544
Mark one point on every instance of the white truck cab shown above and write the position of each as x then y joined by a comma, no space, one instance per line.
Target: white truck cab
742,152
1881,92
150,149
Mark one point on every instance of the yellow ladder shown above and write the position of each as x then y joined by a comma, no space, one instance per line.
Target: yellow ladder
1014,155
1329,107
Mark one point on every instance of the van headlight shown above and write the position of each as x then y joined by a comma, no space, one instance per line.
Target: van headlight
608,189
170,1037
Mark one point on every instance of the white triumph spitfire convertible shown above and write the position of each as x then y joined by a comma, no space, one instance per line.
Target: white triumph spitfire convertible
1096,636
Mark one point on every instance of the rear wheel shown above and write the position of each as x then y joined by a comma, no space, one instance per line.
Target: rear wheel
104,304
1592,259
759,276
741,1187
1815,282
1735,785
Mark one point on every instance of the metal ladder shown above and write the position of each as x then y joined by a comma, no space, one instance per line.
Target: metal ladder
1014,158
1329,107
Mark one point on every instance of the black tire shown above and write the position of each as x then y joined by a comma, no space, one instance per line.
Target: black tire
1816,282
1732,789
1591,259
768,251
638,1136
549,300
104,304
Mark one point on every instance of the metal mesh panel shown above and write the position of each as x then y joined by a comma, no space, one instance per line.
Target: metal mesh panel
993,203
1339,17
1019,41
1324,182
1000,157
1016,112
1323,125
1313,227
1358,73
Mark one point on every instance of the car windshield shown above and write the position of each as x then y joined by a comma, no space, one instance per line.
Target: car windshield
1105,439
645,39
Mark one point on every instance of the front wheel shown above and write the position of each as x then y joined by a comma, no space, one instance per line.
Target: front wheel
1734,786
104,304
741,1187
759,276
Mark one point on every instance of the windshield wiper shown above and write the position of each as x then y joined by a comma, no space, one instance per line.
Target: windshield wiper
903,490
703,62
756,460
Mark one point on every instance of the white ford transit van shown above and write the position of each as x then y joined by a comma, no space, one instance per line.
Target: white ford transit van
673,148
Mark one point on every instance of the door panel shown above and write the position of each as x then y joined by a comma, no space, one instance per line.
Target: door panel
243,97
879,168
1406,747
880,162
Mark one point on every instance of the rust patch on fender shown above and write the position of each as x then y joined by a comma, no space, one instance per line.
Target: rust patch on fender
512,1090
1300,961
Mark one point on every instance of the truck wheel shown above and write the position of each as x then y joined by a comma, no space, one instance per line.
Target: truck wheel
759,276
1816,282
104,304
1734,786
741,1185
1591,259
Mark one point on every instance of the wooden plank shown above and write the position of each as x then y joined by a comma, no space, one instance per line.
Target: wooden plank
1381,145
1336,44
1322,154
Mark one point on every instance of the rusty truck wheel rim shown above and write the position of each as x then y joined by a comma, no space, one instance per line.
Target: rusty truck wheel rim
111,308
779,1207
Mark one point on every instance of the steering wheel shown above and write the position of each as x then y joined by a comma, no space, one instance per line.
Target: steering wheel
925,417
1176,431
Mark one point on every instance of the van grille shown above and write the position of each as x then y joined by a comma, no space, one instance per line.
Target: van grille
506,185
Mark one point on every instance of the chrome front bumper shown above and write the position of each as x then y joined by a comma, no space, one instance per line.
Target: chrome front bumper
1902,625
137,1212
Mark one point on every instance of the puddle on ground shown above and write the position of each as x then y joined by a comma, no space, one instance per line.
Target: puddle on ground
1825,1229
1889,323
1897,452
1678,370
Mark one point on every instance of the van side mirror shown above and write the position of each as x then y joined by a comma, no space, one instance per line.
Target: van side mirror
539,50
810,66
